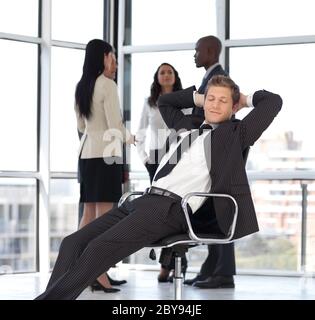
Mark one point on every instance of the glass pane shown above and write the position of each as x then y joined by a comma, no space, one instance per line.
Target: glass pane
269,18
64,136
286,144
167,21
77,20
143,66
18,83
63,212
19,16
17,225
310,228
277,245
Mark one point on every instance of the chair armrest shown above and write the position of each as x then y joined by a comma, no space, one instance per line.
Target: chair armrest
192,234
126,195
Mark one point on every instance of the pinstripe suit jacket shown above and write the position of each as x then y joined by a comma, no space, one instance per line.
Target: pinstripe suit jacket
228,142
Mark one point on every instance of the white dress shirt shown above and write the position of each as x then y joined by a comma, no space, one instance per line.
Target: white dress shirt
150,117
190,174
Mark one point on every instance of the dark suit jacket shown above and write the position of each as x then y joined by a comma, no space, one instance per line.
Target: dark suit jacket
216,71
228,142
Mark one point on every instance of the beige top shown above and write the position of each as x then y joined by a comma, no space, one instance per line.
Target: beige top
104,131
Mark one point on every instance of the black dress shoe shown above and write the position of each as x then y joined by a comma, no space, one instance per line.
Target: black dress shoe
97,286
114,282
215,282
198,277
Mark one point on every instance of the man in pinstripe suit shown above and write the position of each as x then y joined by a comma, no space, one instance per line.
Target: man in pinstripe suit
89,252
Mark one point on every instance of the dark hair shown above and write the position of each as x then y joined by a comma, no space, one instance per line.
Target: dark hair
93,66
227,82
156,88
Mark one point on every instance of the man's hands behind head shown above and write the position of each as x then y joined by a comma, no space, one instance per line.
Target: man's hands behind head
242,103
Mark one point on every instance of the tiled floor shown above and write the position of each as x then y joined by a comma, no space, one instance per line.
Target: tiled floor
142,285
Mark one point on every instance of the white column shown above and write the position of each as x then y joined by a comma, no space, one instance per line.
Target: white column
221,27
44,133
121,32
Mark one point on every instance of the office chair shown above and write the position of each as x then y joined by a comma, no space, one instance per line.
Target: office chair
180,243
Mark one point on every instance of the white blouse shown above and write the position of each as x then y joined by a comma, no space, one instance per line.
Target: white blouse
151,117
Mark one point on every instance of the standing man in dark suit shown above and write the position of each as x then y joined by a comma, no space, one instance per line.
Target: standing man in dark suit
218,149
219,267
207,53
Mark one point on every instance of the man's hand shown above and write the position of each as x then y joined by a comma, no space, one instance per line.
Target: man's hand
242,103
199,100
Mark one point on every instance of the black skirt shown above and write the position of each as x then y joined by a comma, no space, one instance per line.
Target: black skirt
99,180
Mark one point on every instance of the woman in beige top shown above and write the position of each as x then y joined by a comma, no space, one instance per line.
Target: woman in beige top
100,155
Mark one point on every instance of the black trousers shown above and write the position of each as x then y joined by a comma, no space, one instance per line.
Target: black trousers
220,261
87,253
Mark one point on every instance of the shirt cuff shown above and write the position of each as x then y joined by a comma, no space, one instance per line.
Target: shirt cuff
194,96
198,99
249,101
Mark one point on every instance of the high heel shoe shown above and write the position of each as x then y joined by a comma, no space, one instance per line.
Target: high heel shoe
97,286
168,275
164,275
114,282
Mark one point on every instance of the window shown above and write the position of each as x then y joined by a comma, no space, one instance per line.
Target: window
285,144
277,245
64,214
268,18
77,20
66,72
17,237
2,218
26,217
167,21
19,16
18,82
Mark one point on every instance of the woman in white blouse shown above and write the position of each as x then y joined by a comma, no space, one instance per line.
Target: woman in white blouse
165,80
100,155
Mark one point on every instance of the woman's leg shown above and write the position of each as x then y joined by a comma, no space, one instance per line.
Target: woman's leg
103,208
89,214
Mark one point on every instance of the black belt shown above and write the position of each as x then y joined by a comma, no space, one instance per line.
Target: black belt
162,192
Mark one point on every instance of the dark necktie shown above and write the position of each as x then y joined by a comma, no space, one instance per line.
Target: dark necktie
181,148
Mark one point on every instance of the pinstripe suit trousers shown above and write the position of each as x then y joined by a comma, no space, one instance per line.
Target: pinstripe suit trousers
87,253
